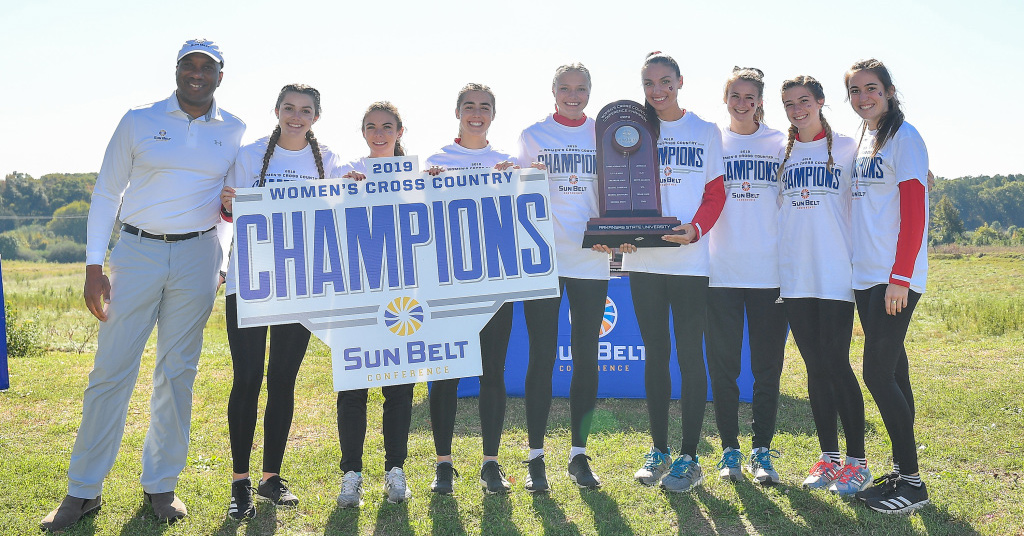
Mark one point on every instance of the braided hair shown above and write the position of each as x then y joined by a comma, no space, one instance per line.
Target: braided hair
818,92
754,76
892,119
649,111
310,137
386,106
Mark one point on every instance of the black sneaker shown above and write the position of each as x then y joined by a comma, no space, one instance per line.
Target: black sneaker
241,500
444,477
903,498
492,478
536,476
580,473
879,486
276,491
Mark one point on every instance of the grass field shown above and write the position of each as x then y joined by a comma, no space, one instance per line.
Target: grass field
967,359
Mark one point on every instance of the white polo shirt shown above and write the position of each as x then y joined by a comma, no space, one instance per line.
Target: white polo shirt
164,171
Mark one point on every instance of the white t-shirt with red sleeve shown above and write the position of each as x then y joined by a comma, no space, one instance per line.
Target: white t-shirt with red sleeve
744,244
814,221
570,155
876,213
689,156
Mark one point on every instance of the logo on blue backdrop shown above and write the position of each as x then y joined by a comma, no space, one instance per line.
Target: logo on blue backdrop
611,315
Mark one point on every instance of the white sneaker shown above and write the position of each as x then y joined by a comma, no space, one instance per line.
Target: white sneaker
760,466
351,490
395,486
729,467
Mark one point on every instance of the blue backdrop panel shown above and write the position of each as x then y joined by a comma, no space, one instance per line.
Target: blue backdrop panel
621,356
5,380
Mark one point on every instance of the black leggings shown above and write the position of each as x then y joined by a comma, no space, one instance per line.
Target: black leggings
395,426
822,330
887,370
766,325
288,344
586,305
444,397
654,295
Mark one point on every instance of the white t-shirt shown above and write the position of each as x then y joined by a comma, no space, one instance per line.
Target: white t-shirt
570,154
744,244
876,206
689,156
285,166
814,221
455,157
358,165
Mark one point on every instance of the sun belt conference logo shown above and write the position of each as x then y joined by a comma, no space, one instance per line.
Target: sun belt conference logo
403,316
668,170
573,179
805,193
746,186
611,314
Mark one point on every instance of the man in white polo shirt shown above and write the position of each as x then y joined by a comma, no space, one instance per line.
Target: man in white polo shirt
163,170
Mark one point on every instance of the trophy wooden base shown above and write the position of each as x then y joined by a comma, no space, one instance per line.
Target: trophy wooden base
642,232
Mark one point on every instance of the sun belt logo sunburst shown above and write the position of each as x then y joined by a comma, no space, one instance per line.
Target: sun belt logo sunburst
403,316
611,314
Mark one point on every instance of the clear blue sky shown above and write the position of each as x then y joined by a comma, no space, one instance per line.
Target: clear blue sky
73,68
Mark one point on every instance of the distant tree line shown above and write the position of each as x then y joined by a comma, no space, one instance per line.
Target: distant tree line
46,218
980,210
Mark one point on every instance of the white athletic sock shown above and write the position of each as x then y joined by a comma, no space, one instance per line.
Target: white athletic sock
575,451
535,453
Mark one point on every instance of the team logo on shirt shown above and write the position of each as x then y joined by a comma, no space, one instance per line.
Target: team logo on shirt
745,186
403,316
573,179
161,136
668,170
805,193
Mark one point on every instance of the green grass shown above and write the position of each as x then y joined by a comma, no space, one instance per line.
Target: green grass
970,426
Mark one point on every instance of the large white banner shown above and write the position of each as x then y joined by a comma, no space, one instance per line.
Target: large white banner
396,273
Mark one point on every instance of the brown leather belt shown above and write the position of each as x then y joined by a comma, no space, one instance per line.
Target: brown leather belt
131,229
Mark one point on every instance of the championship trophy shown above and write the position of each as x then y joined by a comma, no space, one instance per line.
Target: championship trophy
628,185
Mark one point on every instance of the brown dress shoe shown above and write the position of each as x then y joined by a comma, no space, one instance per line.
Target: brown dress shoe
71,509
167,506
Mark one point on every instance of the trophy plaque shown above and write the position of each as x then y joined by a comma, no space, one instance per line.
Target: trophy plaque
629,192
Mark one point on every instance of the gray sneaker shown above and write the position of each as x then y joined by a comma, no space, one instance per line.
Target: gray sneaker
684,476
656,465
396,487
760,466
729,466
351,490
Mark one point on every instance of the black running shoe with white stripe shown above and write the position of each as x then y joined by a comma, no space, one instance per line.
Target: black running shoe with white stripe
903,498
242,506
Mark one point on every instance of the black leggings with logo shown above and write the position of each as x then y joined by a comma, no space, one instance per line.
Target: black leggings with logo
685,296
887,370
586,306
288,344
822,330
444,396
